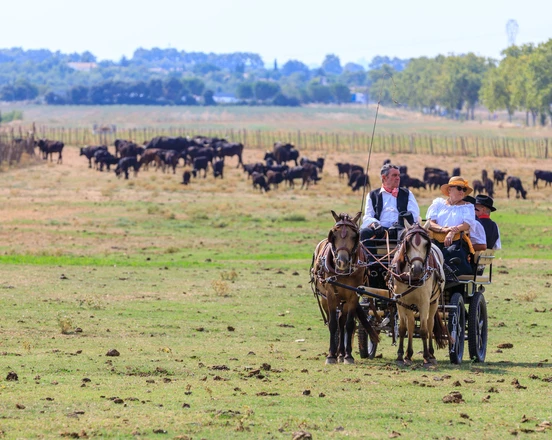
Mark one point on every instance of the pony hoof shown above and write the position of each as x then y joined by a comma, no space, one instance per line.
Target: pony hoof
349,360
407,362
331,360
340,359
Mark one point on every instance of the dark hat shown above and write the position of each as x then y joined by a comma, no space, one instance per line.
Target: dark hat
469,199
484,200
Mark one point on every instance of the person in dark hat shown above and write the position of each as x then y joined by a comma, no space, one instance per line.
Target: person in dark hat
484,205
478,235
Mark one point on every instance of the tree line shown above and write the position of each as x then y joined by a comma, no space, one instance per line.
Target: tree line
445,85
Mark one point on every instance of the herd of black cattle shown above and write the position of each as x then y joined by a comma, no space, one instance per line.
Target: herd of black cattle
200,152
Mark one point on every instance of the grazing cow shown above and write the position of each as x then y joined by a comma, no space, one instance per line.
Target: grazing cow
104,157
253,167
277,168
49,148
89,151
179,144
478,186
515,183
274,178
200,163
403,169
307,174
354,176
343,169
218,168
285,152
412,182
429,171
489,187
186,177
542,175
484,175
170,158
259,181
194,152
361,181
499,177
456,172
319,162
434,180
228,149
151,155
125,164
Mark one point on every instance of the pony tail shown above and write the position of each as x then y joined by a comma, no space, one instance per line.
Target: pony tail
439,331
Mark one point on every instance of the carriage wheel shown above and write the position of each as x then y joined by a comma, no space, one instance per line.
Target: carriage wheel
456,325
477,328
366,347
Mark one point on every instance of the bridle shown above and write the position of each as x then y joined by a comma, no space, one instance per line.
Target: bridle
341,226
407,277
409,236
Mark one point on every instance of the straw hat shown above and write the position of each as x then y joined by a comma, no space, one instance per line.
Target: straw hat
456,181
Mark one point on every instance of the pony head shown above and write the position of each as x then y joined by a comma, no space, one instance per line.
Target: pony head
344,240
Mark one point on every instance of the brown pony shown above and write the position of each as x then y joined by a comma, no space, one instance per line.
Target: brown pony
341,258
417,281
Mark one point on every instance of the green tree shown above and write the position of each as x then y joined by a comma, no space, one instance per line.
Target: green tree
173,90
244,91
340,93
265,90
320,93
208,97
195,86
332,65
78,95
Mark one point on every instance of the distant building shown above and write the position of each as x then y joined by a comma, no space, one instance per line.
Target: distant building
82,67
225,98
359,98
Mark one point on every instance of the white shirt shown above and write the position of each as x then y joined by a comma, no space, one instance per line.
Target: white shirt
477,234
454,215
389,211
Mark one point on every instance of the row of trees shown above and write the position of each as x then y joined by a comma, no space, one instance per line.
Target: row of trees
149,78
445,85
453,85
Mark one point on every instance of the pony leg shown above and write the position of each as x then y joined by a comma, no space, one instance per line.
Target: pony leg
402,333
425,334
410,329
333,326
341,329
350,329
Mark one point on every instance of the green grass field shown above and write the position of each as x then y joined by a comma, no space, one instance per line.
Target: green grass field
204,292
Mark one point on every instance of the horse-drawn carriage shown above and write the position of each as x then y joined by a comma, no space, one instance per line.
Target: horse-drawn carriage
408,293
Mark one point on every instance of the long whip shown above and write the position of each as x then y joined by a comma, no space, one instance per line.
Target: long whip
372,139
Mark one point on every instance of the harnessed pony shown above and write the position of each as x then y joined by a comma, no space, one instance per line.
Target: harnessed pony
417,280
341,257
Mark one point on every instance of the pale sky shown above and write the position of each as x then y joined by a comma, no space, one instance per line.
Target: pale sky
305,30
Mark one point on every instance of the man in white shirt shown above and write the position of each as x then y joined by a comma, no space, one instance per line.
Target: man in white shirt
387,207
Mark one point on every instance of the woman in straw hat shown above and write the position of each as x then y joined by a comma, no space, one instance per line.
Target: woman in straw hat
451,216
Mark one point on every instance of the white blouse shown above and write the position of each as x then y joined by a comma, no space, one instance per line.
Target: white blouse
451,215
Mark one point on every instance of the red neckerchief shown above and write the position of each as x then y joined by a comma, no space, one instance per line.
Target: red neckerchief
394,192
484,216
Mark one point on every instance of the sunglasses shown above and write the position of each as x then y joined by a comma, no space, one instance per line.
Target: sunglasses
461,188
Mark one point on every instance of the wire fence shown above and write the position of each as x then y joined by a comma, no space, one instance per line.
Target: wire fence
346,142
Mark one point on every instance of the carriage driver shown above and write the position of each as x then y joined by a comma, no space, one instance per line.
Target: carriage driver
387,208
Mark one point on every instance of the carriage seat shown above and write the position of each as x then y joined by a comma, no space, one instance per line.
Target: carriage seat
483,263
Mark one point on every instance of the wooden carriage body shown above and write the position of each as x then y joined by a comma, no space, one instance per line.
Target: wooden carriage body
463,306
